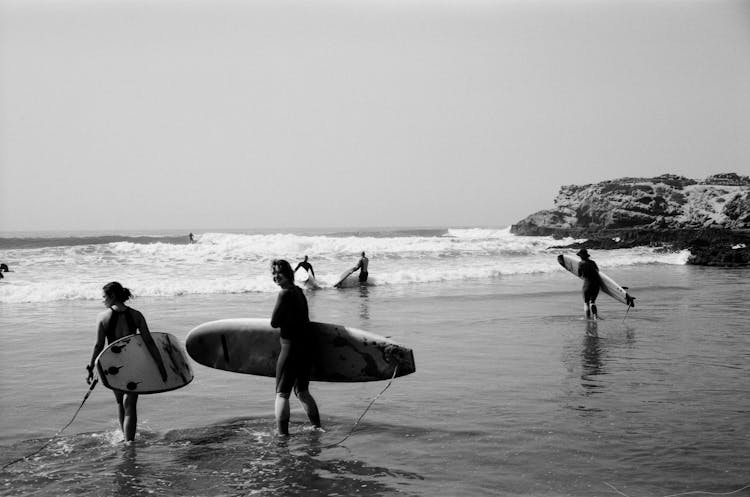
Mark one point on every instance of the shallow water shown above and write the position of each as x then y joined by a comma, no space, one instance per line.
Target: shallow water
514,394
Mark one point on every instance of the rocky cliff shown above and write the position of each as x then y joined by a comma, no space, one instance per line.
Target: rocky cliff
710,217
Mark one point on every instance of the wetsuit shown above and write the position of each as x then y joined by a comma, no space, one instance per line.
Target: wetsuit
306,266
589,271
295,362
363,274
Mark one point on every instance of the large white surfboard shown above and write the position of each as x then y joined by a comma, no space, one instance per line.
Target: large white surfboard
609,286
305,277
127,365
340,353
347,278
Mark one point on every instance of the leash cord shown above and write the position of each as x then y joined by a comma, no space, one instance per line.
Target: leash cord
694,492
395,371
85,397
626,313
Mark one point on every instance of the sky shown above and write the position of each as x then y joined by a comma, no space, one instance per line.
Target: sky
197,115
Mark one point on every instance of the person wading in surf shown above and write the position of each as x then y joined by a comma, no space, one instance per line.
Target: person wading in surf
362,265
294,364
589,271
116,322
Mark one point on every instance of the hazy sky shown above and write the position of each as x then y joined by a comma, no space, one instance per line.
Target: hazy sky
126,115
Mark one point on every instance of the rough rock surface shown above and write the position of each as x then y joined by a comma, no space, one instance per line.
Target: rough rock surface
710,217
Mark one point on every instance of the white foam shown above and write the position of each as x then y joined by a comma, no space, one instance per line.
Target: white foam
230,263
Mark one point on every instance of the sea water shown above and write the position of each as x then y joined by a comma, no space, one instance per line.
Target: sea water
514,394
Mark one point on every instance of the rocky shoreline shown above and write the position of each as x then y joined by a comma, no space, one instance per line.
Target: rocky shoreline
710,218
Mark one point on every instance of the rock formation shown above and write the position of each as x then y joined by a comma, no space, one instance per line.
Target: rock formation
710,217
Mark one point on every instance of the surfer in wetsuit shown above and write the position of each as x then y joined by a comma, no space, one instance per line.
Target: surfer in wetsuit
589,271
294,364
307,266
362,265
116,322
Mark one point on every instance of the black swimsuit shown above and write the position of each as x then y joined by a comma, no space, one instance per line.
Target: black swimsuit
112,326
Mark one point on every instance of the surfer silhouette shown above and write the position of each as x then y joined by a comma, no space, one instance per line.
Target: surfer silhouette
307,266
362,265
589,272
294,365
116,322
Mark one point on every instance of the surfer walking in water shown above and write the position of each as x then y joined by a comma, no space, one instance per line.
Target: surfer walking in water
294,364
307,267
589,272
116,322
362,265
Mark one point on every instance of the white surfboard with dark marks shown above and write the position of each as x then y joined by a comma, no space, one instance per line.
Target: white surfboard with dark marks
127,365
341,354
609,286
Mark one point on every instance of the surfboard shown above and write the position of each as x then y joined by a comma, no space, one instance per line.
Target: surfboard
609,286
342,281
305,277
341,353
311,282
301,275
127,365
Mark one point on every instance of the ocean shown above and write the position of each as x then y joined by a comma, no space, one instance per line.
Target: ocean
514,394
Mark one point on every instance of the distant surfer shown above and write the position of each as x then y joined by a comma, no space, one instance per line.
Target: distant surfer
589,272
191,239
3,268
362,265
294,364
306,266
116,322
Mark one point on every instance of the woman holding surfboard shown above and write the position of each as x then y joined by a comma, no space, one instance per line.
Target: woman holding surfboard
294,364
116,322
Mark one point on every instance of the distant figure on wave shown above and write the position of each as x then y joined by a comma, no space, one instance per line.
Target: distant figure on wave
589,271
294,365
362,265
307,266
116,322
191,239
3,268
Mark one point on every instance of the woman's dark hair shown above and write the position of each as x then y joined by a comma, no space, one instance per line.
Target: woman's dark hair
283,267
116,290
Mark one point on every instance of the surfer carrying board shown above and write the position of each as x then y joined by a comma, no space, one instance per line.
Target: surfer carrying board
294,365
306,266
116,322
362,265
589,272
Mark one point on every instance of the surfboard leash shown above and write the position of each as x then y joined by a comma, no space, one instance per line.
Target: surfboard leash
693,492
85,397
395,371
